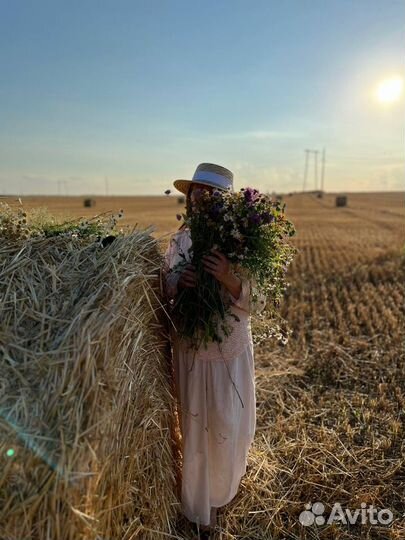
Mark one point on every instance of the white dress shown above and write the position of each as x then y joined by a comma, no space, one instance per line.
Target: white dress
217,402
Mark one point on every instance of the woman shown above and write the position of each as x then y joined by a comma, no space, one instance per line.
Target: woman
215,386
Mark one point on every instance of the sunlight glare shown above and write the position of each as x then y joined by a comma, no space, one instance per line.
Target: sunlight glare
390,90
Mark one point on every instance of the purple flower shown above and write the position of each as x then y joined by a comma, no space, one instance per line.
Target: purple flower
267,217
255,219
251,194
216,209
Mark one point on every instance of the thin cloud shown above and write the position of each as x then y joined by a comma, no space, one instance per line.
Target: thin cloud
261,135
244,136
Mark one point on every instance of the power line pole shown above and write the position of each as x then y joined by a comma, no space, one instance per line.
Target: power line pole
315,154
323,169
316,168
305,169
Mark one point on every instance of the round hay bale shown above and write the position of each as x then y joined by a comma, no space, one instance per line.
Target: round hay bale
341,200
181,200
87,403
89,202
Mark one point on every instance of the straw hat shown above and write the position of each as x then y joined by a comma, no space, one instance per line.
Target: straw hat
208,174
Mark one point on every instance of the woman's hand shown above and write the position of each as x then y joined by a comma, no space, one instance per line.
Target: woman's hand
188,278
217,265
220,267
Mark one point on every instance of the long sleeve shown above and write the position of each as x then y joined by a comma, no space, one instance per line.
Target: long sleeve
176,252
170,277
245,300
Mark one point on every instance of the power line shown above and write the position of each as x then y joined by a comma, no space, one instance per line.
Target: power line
308,152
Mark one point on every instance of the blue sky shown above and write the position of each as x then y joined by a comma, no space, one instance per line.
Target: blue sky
140,92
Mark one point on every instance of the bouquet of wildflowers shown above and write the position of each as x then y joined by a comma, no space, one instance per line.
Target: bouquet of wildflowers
250,229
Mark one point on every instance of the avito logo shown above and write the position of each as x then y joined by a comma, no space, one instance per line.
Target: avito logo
315,514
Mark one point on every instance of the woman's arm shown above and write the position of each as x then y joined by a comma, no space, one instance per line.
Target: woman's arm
220,267
234,284
170,280
240,288
176,279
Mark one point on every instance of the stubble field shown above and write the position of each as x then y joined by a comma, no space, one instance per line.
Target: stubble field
330,402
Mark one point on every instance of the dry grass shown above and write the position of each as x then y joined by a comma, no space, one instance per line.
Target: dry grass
330,403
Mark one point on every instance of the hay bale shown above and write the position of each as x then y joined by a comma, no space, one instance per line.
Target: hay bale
86,395
181,200
89,202
341,200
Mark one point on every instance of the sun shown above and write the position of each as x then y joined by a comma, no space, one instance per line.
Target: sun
390,90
